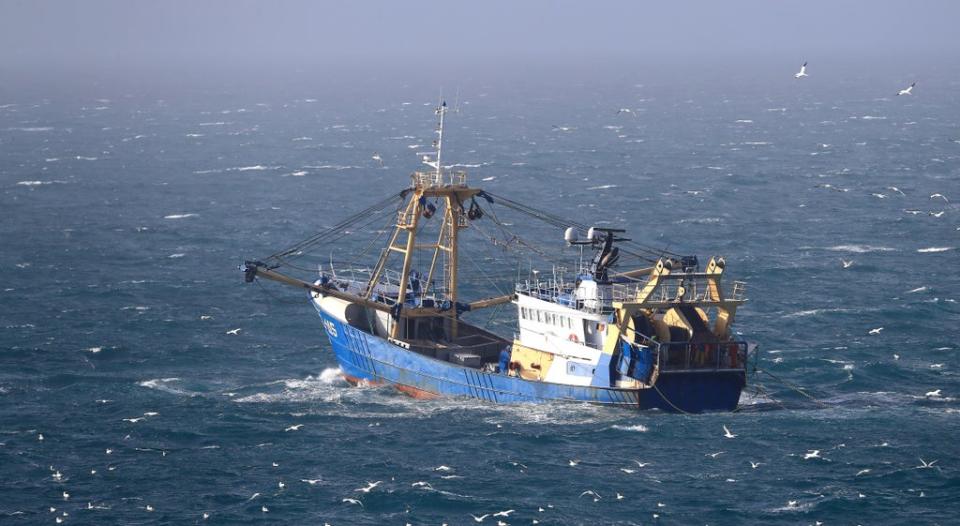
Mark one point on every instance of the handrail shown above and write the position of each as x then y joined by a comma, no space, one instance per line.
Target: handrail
724,355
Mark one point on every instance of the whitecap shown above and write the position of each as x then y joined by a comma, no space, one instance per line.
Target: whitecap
177,255
934,249
194,135
860,249
32,129
602,187
179,216
918,289
84,158
813,312
298,173
640,428
744,121
491,178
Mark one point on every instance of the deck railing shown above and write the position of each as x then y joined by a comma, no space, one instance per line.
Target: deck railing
712,356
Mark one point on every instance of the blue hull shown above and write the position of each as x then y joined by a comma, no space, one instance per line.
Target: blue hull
367,358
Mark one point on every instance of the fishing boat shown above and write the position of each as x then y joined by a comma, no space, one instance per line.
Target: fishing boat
654,337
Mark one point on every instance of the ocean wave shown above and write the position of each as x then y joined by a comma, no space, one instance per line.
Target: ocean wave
859,249
640,428
180,216
162,384
602,187
934,249
177,255
39,183
85,158
32,129
699,221
813,312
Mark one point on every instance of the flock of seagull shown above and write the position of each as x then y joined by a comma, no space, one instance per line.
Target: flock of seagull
501,516
803,73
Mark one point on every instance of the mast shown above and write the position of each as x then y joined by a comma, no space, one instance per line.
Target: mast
450,191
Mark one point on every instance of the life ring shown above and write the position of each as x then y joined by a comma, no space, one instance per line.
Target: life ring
573,337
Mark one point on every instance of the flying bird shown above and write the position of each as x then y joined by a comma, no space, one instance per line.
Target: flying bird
727,433
846,263
376,157
480,518
875,331
507,513
941,196
370,486
933,394
802,73
907,90
312,482
755,465
234,332
812,453
295,427
926,465
352,501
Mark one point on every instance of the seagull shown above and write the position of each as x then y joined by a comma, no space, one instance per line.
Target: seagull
352,501
133,420
896,356
294,427
862,472
933,394
641,464
57,476
206,515
626,110
108,451
281,485
443,468
895,189
926,465
149,508
480,518
507,513
879,196
802,73
714,455
205,317
792,503
812,453
312,482
727,433
935,214
619,496
846,263
234,332
66,495
628,471
573,463
875,331
596,496
907,90
40,437
941,196
370,486
422,484
264,509
376,157
755,465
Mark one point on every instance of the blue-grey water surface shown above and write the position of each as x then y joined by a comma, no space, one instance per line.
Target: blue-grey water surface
125,215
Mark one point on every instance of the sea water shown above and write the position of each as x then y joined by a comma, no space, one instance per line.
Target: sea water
128,397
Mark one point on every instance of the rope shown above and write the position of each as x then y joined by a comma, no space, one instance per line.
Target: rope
667,400
792,387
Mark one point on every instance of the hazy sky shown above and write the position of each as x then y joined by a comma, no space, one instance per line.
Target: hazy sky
106,34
